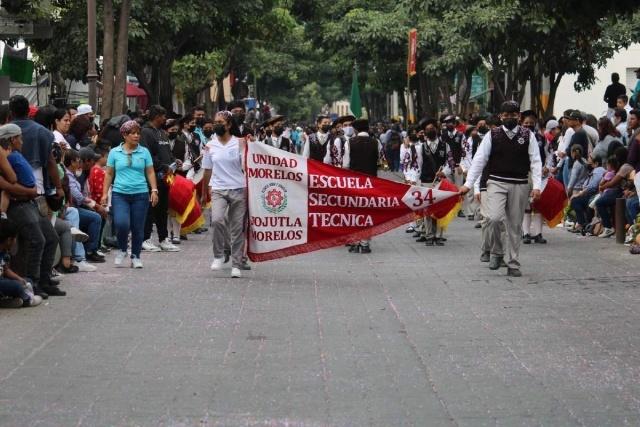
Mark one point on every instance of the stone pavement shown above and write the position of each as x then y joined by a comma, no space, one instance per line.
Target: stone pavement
408,335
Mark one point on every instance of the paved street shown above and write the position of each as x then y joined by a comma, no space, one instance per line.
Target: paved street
408,335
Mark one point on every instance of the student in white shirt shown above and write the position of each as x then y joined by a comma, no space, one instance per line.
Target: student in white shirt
222,163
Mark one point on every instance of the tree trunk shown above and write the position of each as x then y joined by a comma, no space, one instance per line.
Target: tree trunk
553,91
120,86
107,64
165,95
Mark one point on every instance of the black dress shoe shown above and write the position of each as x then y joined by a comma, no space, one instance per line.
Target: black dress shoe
421,239
365,250
514,272
540,239
416,234
471,217
94,257
183,237
439,242
430,242
478,225
354,249
49,281
526,239
67,270
38,291
54,291
461,214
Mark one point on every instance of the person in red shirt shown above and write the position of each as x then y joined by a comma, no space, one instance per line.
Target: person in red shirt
97,173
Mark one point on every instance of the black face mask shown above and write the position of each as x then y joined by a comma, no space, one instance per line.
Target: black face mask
531,128
219,130
510,123
238,118
325,128
278,130
200,122
483,129
431,134
173,135
208,132
192,128
451,127
268,132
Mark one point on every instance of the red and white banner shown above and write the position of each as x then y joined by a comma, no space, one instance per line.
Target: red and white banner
298,205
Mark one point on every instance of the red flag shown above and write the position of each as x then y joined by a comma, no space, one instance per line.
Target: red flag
413,52
552,202
297,205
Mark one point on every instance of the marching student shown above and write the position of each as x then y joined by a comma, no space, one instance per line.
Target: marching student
316,146
344,131
509,152
362,154
411,163
434,153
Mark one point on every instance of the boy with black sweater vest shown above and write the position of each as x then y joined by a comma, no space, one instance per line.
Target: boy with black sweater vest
510,153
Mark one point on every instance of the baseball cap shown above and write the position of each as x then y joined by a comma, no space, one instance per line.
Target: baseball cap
552,124
9,131
84,109
87,153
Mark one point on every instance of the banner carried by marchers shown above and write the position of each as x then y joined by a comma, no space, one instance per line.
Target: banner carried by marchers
298,205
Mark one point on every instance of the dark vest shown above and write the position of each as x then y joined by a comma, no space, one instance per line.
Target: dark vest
509,158
455,143
363,155
432,161
285,144
317,151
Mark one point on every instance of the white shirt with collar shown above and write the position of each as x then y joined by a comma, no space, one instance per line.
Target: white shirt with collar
322,138
483,153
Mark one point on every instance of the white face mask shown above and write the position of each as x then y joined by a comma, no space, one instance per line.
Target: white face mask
348,130
79,173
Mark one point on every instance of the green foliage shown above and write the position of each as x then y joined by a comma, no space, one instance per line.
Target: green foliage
193,73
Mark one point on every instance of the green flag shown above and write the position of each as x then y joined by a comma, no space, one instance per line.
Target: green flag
355,104
16,65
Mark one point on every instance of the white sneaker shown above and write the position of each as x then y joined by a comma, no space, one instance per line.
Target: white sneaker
148,246
607,232
79,235
167,246
217,264
136,263
235,272
100,253
34,301
120,256
84,266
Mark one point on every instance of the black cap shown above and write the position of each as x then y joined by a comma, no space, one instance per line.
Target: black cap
575,115
87,153
510,107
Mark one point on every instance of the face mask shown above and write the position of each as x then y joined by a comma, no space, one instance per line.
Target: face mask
173,135
483,130
219,130
278,130
450,127
268,132
532,128
192,128
200,122
510,123
78,173
348,130
431,134
325,128
207,133
238,118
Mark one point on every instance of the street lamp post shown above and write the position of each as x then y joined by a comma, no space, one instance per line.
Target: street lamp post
92,73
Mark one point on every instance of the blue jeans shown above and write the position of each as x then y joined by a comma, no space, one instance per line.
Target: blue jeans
72,216
632,209
90,223
12,288
605,206
130,214
580,205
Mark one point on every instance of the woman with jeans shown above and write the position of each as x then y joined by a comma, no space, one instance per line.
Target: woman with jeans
227,183
610,189
133,168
